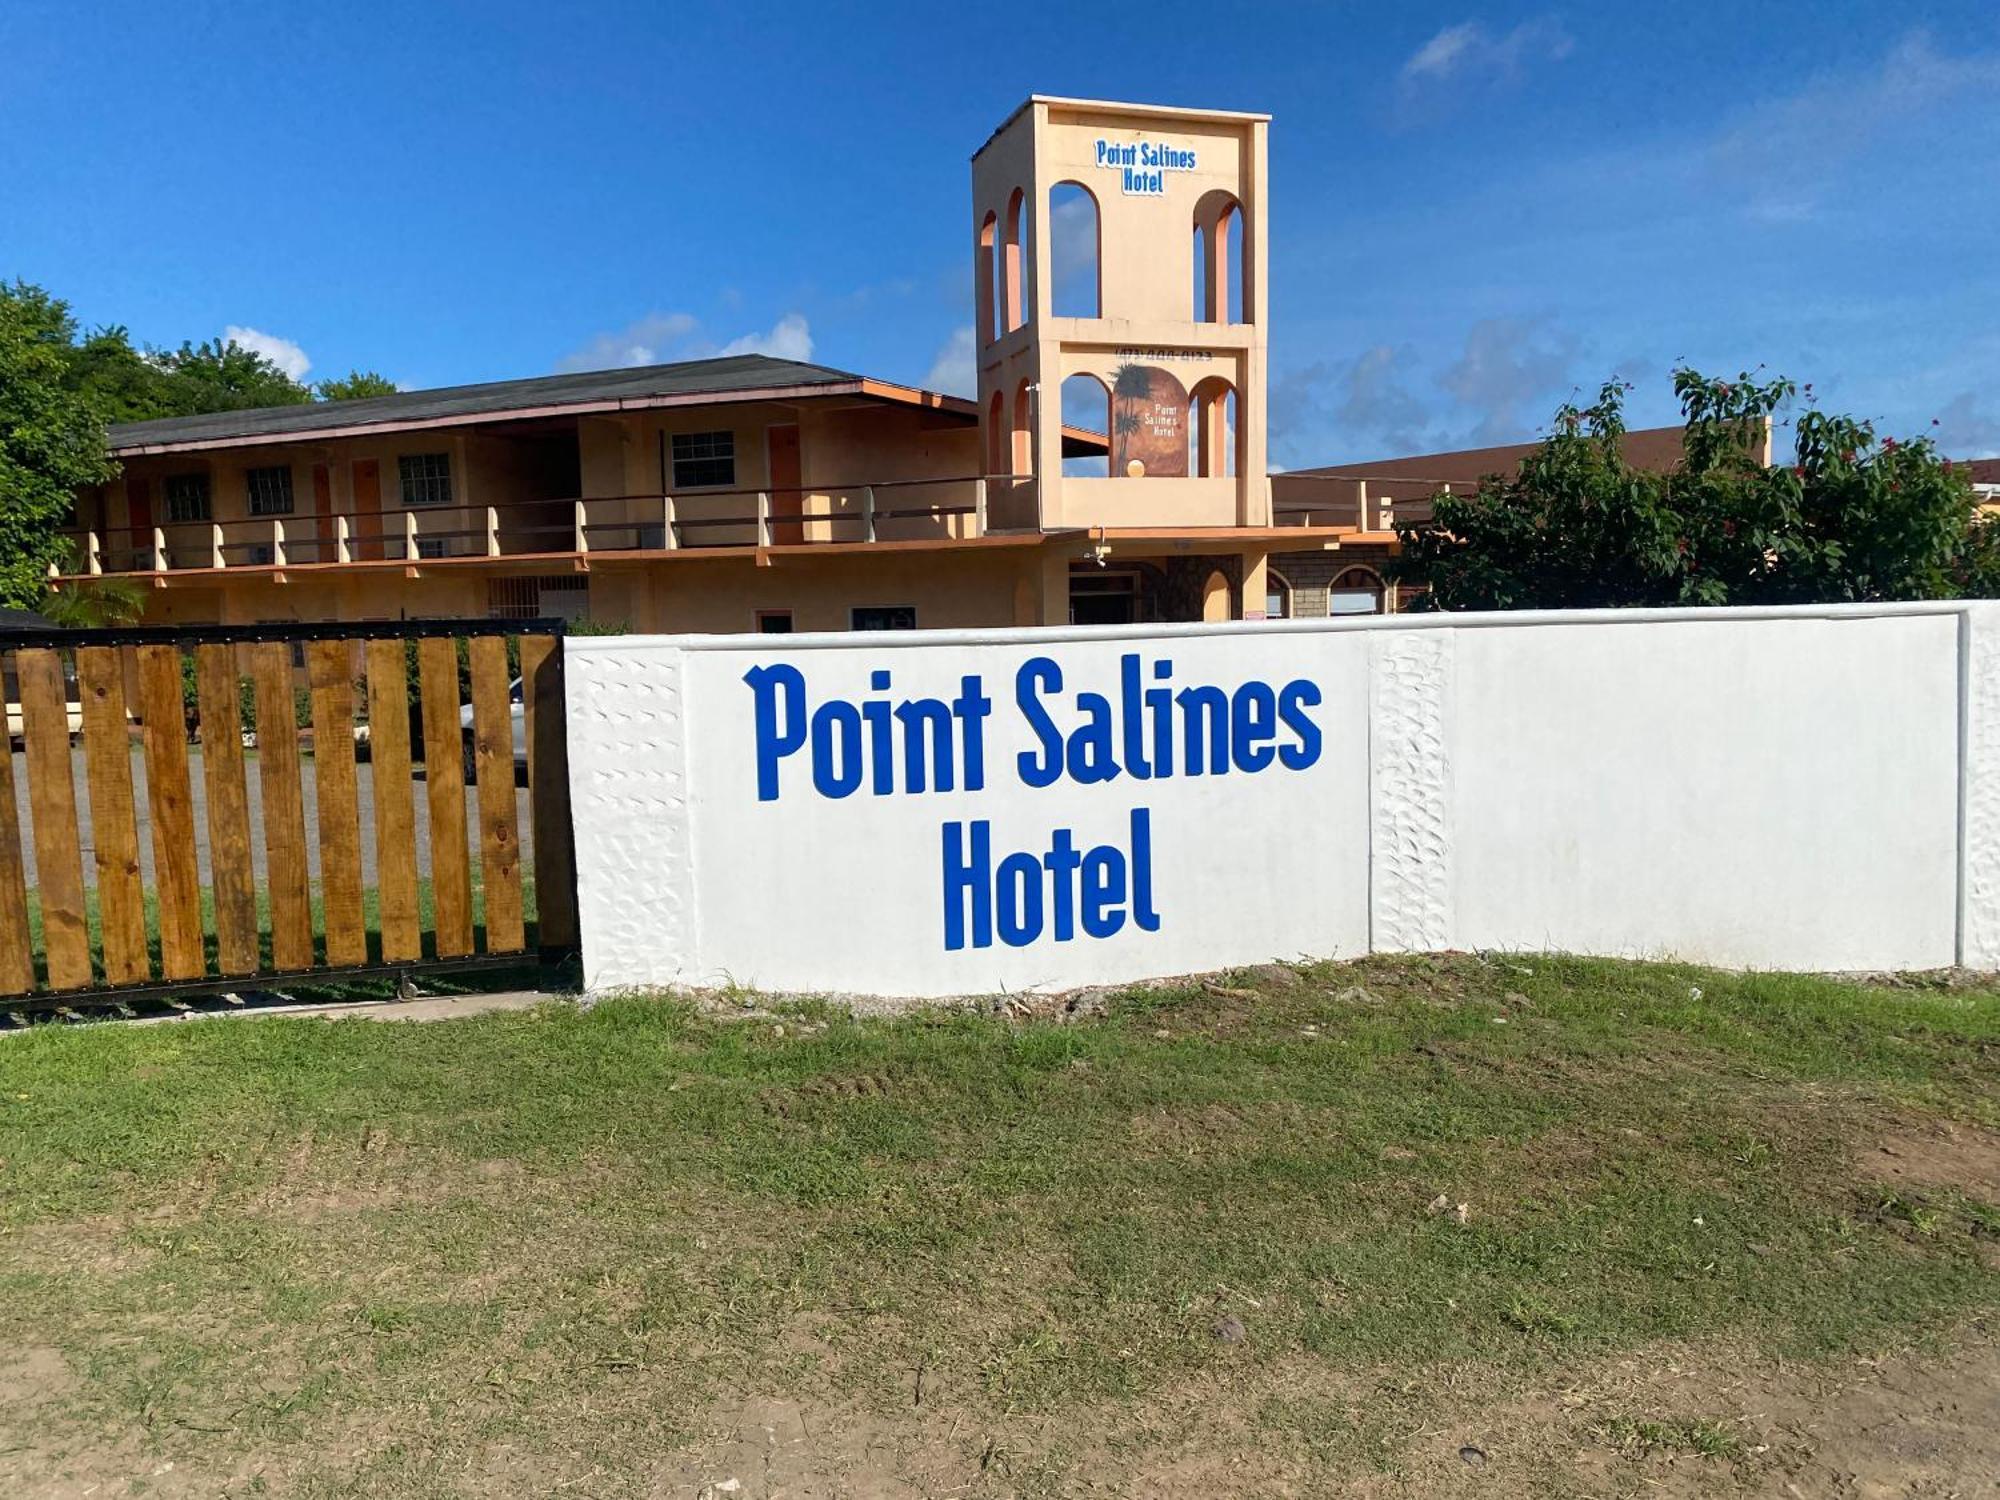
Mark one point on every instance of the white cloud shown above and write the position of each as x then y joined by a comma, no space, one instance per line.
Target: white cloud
283,353
1964,431
1791,149
1508,366
643,342
953,371
663,338
789,338
1468,51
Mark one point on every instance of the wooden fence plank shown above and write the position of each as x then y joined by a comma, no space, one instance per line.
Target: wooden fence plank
444,789
499,815
52,806
284,807
329,667
548,790
170,792
17,961
114,828
233,876
395,815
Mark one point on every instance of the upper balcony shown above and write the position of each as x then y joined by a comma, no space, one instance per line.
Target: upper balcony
917,511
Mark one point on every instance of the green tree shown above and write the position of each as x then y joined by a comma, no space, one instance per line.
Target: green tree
222,376
1850,519
51,441
354,386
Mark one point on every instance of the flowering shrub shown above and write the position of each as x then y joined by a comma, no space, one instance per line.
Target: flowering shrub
1850,518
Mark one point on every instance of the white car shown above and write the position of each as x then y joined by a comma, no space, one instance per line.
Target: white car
520,722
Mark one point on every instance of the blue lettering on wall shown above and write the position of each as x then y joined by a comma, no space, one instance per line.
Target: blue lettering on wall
1030,894
1148,727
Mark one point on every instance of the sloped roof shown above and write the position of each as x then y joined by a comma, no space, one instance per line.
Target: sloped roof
741,376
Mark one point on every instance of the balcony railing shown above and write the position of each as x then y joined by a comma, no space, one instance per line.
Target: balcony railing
1366,504
889,510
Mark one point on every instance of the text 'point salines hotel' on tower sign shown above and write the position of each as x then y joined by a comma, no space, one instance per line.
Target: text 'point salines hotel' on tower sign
1142,166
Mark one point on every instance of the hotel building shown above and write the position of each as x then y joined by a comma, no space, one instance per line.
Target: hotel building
1112,467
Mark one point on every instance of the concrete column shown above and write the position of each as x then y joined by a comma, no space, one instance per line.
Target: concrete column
1055,588
1256,578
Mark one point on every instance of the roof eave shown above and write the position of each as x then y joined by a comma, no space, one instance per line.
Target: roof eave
333,431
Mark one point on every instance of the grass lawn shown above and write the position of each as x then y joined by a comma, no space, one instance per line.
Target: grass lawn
1209,1242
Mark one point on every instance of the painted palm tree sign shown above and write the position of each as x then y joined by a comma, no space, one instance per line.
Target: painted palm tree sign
1148,423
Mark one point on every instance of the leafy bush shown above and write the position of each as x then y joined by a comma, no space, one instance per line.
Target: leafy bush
1852,518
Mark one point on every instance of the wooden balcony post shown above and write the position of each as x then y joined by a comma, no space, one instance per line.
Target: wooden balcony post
159,550
979,506
667,522
217,558
868,513
492,531
763,518
342,552
582,531
1361,504
278,543
409,536
93,553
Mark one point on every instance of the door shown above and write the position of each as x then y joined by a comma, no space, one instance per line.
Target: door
139,517
323,514
787,498
368,507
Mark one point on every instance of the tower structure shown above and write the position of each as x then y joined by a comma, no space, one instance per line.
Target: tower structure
1120,281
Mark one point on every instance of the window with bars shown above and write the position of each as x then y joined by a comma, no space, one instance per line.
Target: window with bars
269,490
704,460
187,497
426,478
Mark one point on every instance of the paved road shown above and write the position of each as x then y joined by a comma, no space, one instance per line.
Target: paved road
367,801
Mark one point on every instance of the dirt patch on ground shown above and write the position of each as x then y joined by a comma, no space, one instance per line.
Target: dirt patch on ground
1939,1154
1677,1423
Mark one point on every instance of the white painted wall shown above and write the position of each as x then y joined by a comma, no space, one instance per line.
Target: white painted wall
1778,788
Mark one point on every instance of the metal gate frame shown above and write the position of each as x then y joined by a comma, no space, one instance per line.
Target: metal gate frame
165,756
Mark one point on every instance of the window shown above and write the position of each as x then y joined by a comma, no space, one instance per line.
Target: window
1277,595
1015,255
426,478
1218,259
187,497
882,617
1073,252
1357,591
431,546
704,460
1086,406
774,622
269,490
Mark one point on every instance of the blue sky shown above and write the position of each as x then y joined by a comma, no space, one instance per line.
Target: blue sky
1475,210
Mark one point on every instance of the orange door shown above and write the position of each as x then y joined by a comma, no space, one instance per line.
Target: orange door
787,497
139,517
323,514
368,507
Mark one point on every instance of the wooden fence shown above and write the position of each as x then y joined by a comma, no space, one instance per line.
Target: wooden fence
90,709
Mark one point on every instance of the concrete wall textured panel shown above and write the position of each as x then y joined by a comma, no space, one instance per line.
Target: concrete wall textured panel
1979,915
1410,816
628,798
1812,788
1764,792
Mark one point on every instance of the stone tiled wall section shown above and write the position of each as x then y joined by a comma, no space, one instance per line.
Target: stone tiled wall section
1311,575
1410,819
628,797
1979,846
